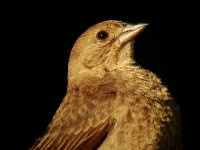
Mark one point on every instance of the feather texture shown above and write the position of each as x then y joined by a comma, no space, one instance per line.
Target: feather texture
112,103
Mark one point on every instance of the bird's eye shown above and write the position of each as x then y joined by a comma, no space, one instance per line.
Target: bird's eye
102,35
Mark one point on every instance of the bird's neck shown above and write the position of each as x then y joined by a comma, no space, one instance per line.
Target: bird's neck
131,78
143,82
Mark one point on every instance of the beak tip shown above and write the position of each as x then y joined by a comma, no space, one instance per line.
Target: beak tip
146,24
130,32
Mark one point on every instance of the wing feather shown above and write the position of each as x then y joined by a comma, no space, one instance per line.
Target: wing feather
82,119
83,140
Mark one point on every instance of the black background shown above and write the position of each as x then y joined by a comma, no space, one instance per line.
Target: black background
39,39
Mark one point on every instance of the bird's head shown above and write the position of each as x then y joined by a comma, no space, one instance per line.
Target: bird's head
103,46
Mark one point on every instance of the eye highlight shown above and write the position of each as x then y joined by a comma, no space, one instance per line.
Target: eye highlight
102,35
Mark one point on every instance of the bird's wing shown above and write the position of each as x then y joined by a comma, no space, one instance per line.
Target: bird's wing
84,140
81,122
89,139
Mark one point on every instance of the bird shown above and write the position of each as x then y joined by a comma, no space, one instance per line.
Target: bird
112,103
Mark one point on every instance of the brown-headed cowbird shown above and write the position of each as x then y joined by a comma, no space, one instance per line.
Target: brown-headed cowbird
111,102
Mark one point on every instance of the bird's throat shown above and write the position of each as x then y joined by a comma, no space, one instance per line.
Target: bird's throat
125,54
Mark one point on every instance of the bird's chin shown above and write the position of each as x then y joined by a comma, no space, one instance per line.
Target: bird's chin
126,54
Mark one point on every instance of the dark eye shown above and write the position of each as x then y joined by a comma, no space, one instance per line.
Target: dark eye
102,35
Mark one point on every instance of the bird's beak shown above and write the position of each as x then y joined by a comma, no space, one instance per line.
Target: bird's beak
130,32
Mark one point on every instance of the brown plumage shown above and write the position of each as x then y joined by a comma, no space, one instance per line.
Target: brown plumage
111,102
